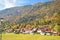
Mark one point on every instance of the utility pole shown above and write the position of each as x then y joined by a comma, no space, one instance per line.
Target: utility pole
1,26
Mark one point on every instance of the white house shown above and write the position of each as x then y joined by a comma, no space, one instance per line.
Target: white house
1,19
41,31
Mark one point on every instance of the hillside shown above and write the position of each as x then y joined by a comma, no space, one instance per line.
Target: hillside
29,13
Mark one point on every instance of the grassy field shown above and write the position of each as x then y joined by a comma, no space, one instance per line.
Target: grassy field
28,37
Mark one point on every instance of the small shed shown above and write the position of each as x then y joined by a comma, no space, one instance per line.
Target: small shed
55,34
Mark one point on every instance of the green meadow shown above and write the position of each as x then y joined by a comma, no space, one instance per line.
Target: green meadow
28,37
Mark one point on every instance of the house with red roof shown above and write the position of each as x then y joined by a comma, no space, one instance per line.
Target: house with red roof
48,31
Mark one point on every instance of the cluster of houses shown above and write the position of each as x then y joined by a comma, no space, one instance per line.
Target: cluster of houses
41,31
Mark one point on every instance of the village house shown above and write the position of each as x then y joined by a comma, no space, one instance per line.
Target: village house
17,30
34,30
27,30
44,30
9,30
48,31
41,31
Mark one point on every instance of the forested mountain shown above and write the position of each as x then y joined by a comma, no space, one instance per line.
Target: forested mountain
47,13
31,13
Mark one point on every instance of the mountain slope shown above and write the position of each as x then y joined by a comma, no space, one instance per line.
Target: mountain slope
29,13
